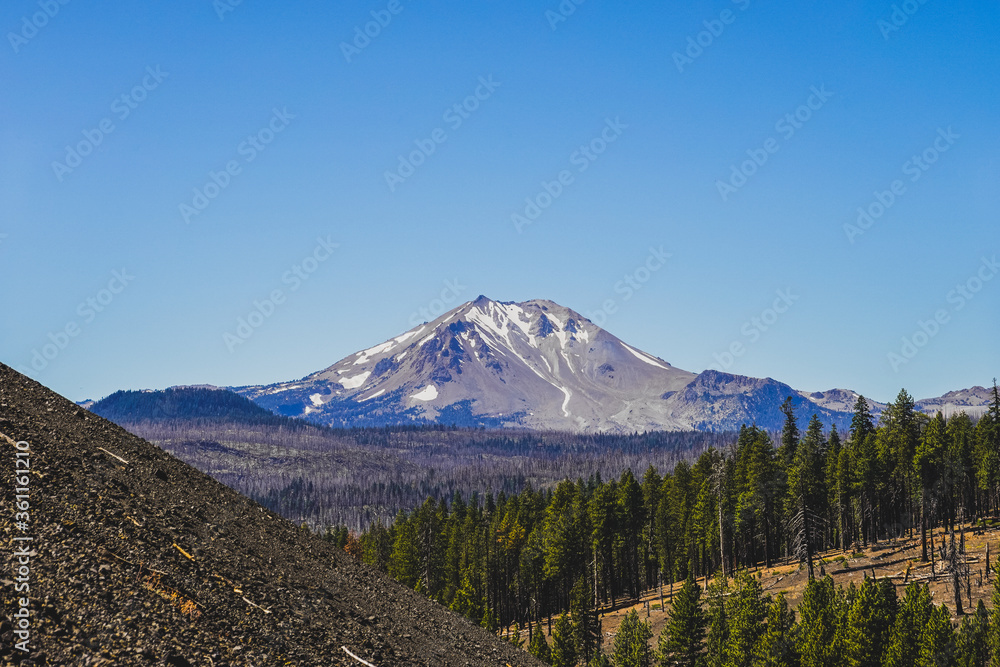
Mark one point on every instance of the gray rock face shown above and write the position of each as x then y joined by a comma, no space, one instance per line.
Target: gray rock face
974,401
536,365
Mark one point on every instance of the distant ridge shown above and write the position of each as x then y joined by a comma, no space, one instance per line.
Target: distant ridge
539,365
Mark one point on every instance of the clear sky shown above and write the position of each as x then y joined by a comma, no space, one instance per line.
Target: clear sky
204,150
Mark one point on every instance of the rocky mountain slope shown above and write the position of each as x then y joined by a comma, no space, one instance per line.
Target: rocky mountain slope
534,364
540,365
138,559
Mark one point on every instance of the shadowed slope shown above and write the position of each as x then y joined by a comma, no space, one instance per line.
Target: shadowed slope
139,559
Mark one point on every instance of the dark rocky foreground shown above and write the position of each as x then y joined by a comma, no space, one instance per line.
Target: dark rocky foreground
139,559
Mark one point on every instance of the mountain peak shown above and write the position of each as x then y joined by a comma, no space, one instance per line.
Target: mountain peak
532,363
538,364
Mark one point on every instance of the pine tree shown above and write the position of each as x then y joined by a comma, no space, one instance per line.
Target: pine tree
403,563
563,646
603,510
539,647
869,624
862,424
631,521
993,634
718,623
789,433
778,645
844,485
927,463
599,660
805,488
937,640
818,625
746,611
682,639
913,615
972,649
586,624
631,648
988,445
515,636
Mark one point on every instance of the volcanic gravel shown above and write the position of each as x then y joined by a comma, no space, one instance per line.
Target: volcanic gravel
150,562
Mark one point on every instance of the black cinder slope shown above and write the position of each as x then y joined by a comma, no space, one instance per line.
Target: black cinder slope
139,559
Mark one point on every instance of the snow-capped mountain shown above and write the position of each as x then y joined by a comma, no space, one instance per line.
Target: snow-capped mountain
534,364
540,365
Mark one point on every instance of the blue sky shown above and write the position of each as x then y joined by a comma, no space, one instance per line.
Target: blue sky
833,101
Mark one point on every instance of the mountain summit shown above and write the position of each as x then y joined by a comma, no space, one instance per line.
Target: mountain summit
534,364
537,365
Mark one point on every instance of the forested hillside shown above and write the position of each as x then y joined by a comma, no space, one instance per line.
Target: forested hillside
518,560
320,476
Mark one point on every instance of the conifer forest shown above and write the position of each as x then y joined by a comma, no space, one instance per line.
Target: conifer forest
540,567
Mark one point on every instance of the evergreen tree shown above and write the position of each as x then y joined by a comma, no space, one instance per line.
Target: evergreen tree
937,640
789,433
832,461
599,660
862,424
631,647
745,611
988,445
913,615
603,510
682,638
718,623
927,463
631,521
778,645
539,647
651,485
900,436
805,488
993,634
869,624
844,492
818,625
972,649
563,646
515,637
586,624
403,563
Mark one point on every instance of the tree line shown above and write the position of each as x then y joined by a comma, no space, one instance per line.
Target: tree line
736,625
517,560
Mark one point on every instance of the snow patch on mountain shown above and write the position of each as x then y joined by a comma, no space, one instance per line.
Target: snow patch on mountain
428,393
